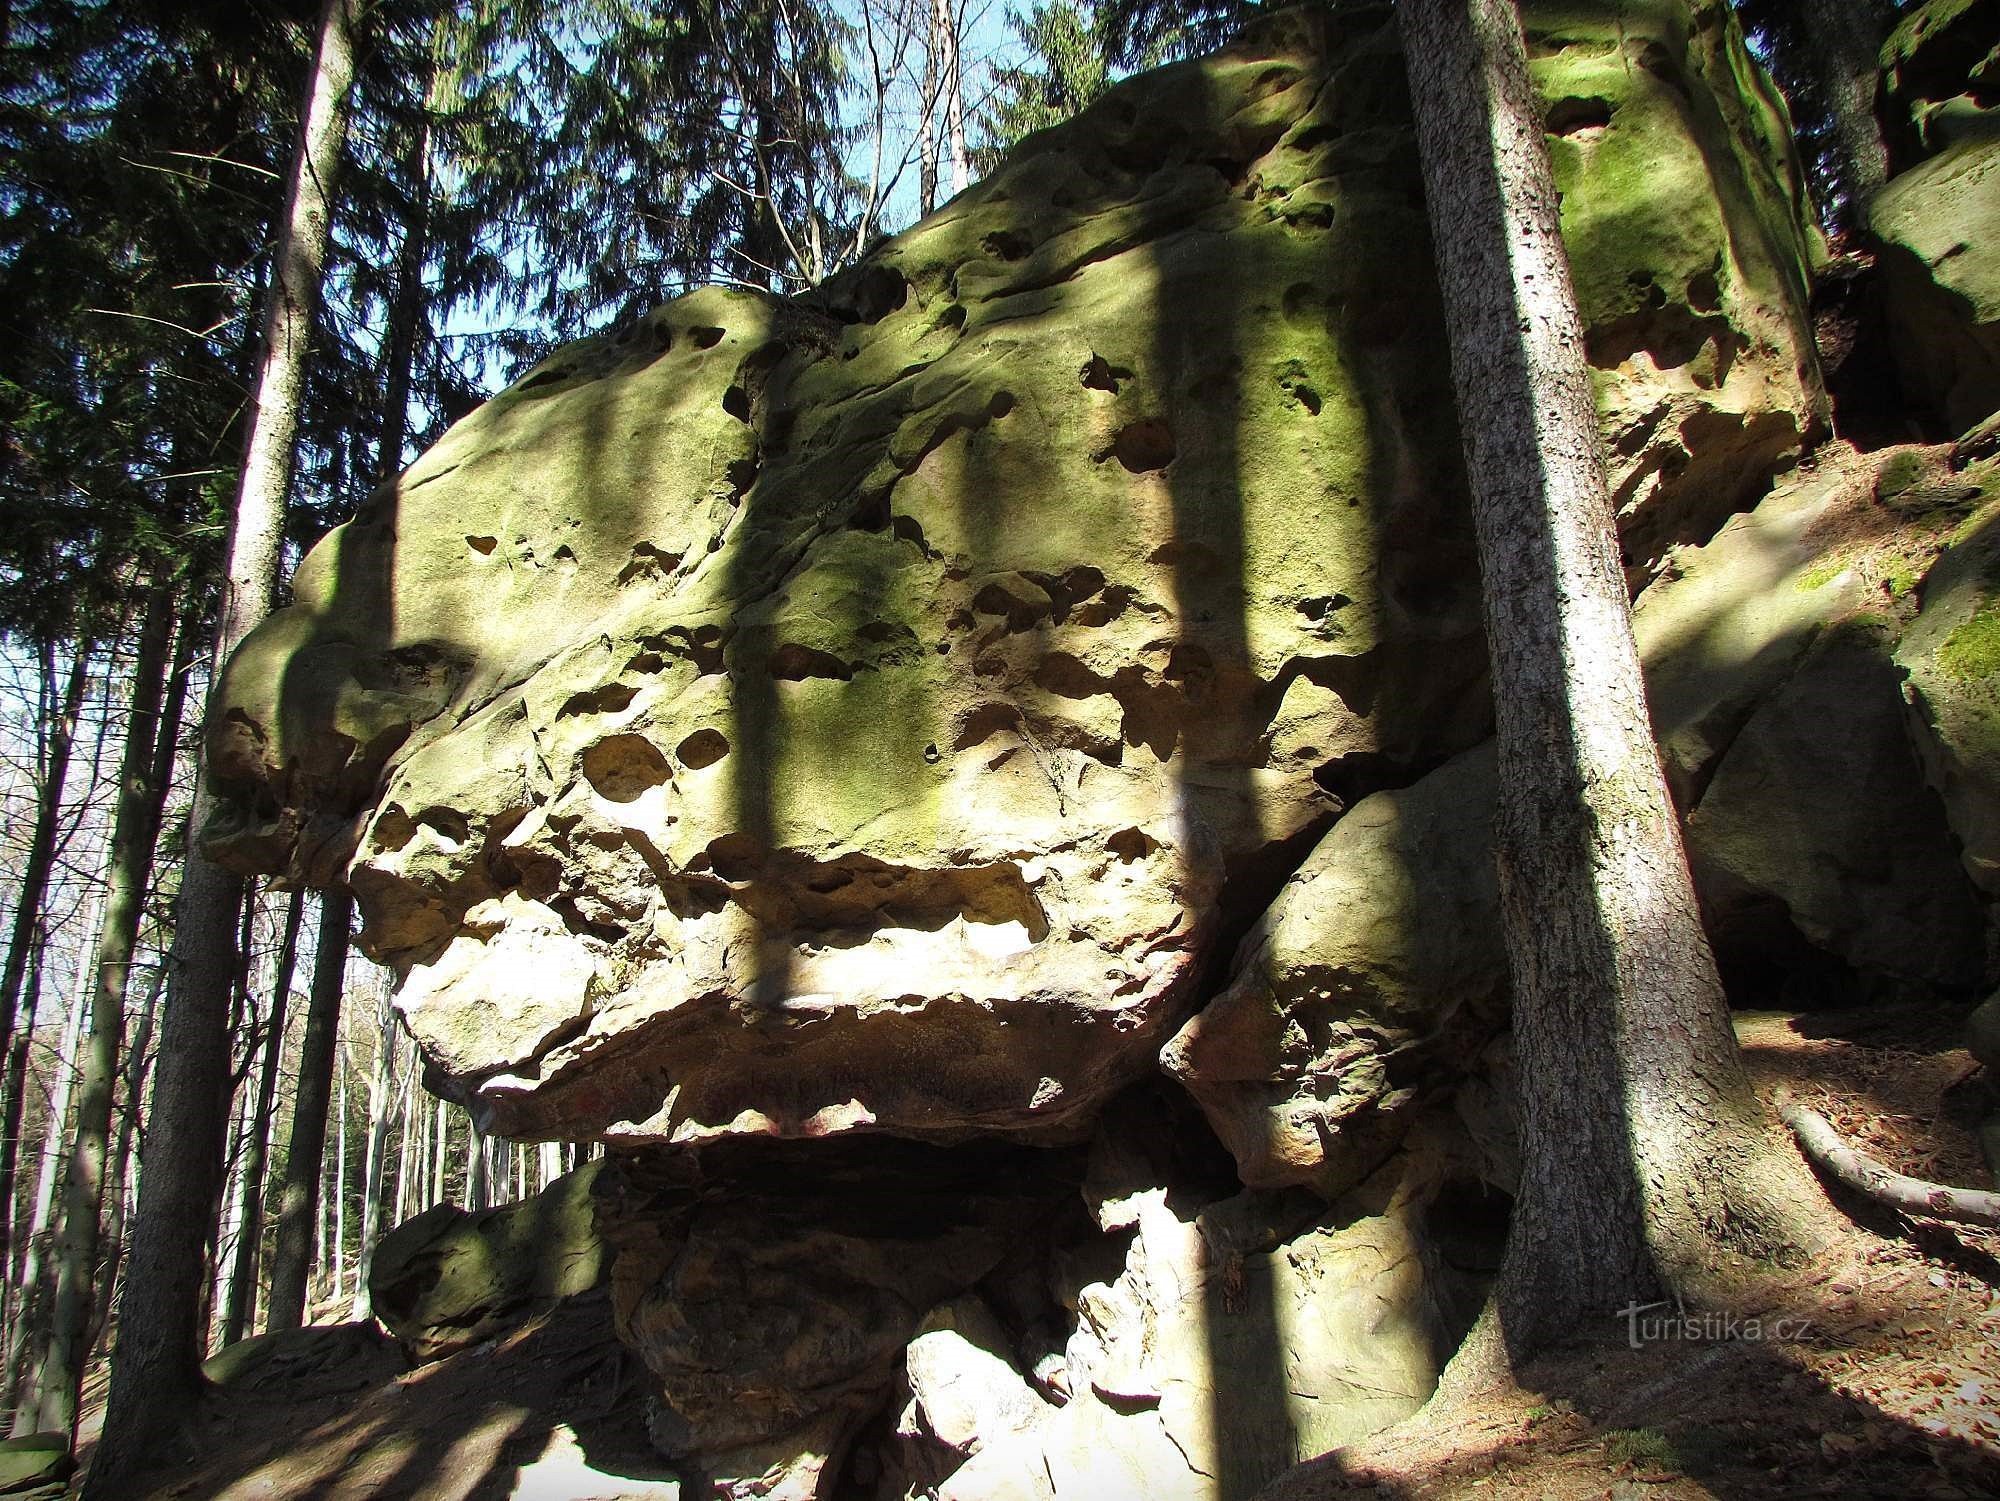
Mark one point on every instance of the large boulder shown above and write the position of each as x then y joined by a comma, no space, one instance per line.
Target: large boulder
1940,68
869,710
1951,658
1934,221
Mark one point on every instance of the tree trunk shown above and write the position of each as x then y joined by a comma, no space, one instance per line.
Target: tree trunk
166,752
237,1315
1828,57
381,1109
954,95
927,122
157,1376
337,1209
10,1134
475,1169
116,1192
35,1294
135,828
27,932
399,350
291,1259
1635,1109
406,1156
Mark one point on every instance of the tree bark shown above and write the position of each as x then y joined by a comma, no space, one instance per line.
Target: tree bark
1635,1108
236,1316
10,1135
1828,56
381,1110
116,1192
291,1259
400,347
135,830
157,1375
927,123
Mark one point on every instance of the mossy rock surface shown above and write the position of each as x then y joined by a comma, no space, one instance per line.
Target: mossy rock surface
863,711
1940,228
33,1461
448,1278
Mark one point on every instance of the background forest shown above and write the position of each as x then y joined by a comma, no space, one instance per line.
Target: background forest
502,177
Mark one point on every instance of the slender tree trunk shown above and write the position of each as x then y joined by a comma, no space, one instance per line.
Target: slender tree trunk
381,1109
117,1191
442,1144
927,141
1635,1107
954,94
157,1376
243,1279
406,1155
291,1259
1831,51
475,1169
166,752
30,1327
338,1207
10,1142
1843,44
406,314
26,935
135,828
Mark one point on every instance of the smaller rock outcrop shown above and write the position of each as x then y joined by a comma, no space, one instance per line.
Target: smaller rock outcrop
448,1279
1940,257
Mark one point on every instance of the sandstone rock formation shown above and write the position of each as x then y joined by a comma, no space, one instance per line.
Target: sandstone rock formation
868,711
1941,69
448,1278
972,780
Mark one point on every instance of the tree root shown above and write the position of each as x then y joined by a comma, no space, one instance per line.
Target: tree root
1824,1148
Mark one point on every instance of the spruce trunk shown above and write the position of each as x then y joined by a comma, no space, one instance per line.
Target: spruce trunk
157,1376
237,1314
1634,1102
135,827
25,939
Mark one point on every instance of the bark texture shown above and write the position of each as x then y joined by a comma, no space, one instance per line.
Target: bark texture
1633,1096
157,1373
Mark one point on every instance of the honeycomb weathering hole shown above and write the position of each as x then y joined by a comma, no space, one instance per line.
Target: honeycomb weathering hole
1145,445
703,748
624,767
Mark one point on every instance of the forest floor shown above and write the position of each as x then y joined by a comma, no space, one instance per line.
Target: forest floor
1872,1372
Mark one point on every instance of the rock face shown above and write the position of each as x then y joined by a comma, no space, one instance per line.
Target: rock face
867,711
973,780
772,1297
1941,268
